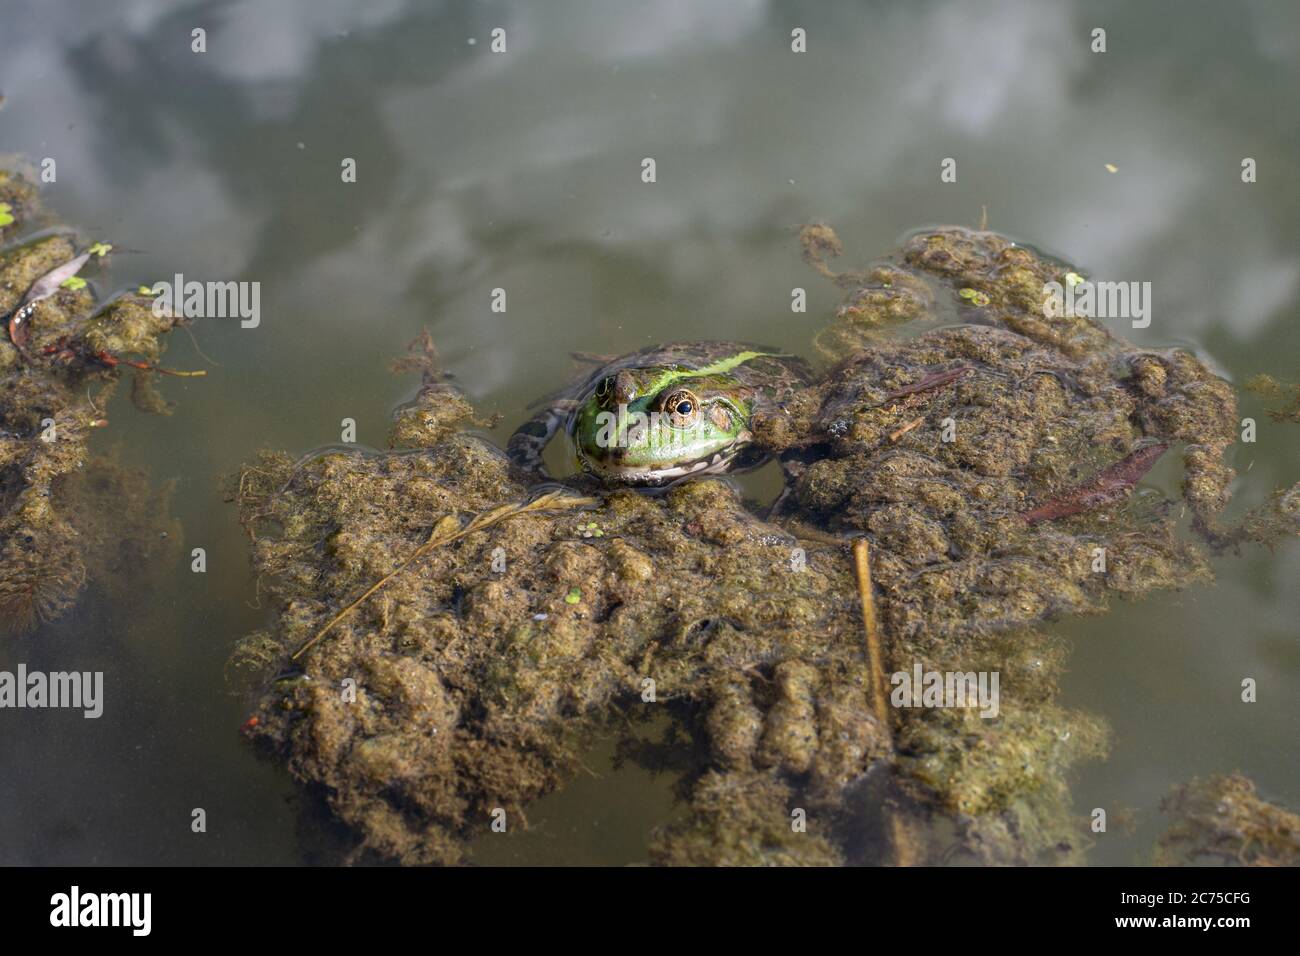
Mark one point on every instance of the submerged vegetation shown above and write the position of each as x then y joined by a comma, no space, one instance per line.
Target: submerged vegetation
1283,397
993,468
67,516
1222,820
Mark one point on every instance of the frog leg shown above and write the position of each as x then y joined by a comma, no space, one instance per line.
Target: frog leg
525,446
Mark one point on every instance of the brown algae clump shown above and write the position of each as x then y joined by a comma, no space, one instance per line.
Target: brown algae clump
1221,819
484,669
53,392
1283,397
995,468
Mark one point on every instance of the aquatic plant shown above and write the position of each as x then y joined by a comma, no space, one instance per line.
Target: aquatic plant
58,367
1221,819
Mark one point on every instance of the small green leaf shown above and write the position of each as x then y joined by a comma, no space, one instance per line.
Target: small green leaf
6,216
974,296
1072,279
74,283
144,290
574,596
100,249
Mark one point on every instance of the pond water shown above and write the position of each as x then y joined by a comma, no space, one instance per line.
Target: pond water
522,171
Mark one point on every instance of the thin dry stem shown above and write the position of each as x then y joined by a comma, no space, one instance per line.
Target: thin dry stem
442,534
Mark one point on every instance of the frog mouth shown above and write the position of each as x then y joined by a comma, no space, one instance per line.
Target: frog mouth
717,463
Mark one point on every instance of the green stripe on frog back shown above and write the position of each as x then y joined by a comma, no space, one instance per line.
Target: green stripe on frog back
668,378
717,368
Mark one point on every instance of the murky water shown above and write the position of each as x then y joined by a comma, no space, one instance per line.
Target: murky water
521,171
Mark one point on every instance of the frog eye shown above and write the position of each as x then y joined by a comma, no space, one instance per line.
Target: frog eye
682,406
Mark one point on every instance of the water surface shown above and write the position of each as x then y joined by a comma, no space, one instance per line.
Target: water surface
522,171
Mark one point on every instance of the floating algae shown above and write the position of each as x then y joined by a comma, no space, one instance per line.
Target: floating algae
471,683
479,688
1221,819
66,516
1283,397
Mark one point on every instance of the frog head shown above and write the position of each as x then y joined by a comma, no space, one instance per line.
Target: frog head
649,426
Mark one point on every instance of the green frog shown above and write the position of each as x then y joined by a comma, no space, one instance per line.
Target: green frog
664,413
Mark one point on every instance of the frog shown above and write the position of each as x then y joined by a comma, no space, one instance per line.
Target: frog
664,413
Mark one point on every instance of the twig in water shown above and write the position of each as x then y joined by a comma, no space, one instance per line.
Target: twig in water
875,655
904,844
929,382
900,432
443,533
65,350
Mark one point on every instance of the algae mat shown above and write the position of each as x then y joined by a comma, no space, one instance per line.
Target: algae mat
447,642
69,518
